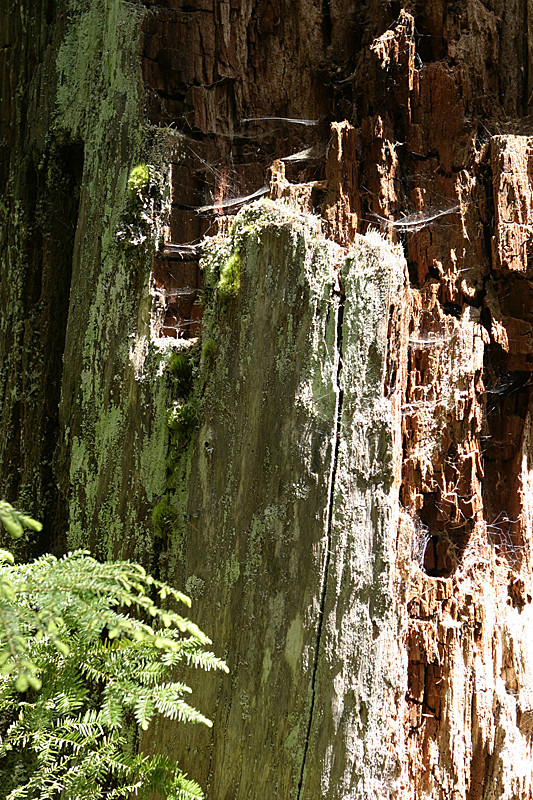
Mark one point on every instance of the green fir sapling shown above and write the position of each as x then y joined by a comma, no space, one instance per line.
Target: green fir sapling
88,651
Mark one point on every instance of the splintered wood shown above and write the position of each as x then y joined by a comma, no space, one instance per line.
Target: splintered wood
427,154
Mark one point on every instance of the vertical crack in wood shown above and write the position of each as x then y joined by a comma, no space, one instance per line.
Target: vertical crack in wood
338,301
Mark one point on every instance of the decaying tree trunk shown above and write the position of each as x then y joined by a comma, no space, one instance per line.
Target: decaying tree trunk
344,485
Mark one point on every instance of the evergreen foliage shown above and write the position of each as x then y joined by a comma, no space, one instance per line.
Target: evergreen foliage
86,655
15,521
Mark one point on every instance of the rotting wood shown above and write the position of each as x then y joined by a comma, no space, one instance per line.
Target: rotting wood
423,131
416,158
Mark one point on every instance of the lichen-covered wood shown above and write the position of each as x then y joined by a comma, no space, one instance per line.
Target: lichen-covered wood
339,471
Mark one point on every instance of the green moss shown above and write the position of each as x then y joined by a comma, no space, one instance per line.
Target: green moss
182,421
139,180
183,413
230,277
163,518
183,402
209,351
180,368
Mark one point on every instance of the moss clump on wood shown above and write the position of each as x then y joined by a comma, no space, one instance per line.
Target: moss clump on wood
182,420
209,351
163,517
181,371
139,180
230,278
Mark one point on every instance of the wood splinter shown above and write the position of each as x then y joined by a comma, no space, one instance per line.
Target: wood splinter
182,252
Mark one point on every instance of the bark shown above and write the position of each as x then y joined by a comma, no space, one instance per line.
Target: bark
345,489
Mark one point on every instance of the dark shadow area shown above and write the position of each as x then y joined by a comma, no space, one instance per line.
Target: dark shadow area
50,196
